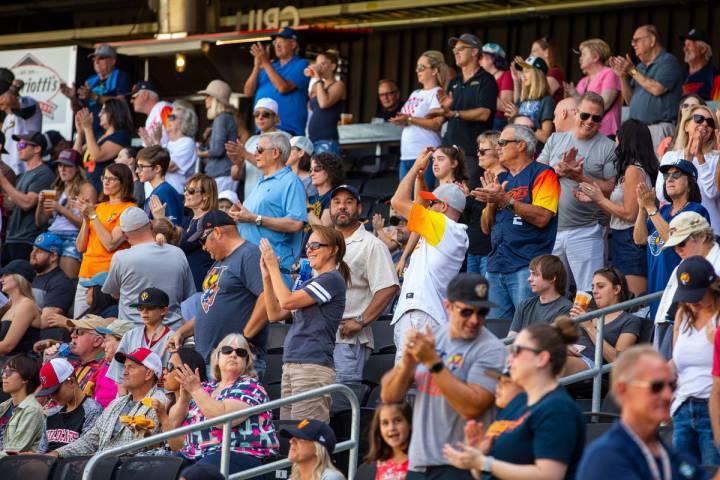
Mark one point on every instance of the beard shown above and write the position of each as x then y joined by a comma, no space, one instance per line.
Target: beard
350,219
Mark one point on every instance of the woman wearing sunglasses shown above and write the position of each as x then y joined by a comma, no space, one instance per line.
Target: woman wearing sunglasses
316,307
201,196
22,419
327,100
545,430
235,387
686,102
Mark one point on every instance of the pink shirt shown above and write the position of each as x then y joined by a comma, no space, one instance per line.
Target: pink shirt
504,82
105,389
389,470
605,80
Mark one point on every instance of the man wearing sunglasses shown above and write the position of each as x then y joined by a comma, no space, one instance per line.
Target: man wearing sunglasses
146,100
449,365
643,384
582,155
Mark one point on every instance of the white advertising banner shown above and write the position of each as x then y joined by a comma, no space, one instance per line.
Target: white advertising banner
43,70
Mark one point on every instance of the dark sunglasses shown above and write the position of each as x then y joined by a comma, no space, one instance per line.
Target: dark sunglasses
674,175
317,169
657,386
516,349
204,236
240,352
260,149
434,202
502,142
468,312
595,118
192,191
684,242
483,151
22,144
699,119
262,114
170,367
312,246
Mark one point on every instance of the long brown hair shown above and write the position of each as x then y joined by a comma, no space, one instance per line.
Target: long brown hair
554,339
77,181
334,239
687,317
457,155
379,450
127,183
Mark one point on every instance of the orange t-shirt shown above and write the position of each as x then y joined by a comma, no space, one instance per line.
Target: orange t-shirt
96,258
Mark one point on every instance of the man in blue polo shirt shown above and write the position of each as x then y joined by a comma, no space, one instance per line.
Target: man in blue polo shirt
277,208
282,80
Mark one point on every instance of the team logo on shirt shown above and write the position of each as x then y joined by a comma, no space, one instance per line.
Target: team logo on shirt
211,286
454,362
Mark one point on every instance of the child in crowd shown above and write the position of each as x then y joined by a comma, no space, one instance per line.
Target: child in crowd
105,388
226,199
389,440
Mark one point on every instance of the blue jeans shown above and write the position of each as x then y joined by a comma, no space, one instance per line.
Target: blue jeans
477,264
326,146
406,165
507,290
692,432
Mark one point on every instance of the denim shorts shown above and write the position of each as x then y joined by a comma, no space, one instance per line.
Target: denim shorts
628,257
68,238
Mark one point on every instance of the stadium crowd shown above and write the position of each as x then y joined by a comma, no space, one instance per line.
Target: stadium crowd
143,289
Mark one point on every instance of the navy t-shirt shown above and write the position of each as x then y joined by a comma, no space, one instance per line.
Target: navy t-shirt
172,200
700,82
538,110
198,259
553,429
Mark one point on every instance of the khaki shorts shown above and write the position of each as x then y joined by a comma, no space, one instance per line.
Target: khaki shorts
299,378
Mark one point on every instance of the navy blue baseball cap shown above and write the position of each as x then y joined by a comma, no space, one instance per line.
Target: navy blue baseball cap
313,430
143,85
682,165
49,242
694,276
212,219
287,32
348,188
20,267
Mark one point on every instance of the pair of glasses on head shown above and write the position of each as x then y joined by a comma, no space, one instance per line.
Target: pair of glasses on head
656,386
685,106
23,144
263,114
505,141
672,175
193,191
312,246
8,372
240,352
700,119
584,116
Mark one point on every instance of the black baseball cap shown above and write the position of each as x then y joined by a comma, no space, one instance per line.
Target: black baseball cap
470,288
212,219
70,157
143,85
696,35
152,297
348,188
36,138
21,267
313,430
694,276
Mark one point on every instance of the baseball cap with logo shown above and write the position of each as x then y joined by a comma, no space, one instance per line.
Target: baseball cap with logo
49,242
533,62
133,218
212,219
684,225
117,328
313,430
694,277
103,51
470,288
696,35
267,104
152,297
287,32
53,374
141,86
448,193
682,165
70,157
346,188
145,357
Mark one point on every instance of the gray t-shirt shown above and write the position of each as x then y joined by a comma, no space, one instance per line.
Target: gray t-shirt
435,422
230,291
625,323
21,227
599,155
311,338
532,311
150,265
331,475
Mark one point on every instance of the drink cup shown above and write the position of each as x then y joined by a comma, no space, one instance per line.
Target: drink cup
583,299
49,194
346,118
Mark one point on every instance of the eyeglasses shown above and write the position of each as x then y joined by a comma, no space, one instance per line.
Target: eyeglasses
109,179
8,372
674,175
515,349
483,151
502,142
317,169
469,312
700,119
260,149
421,68
435,202
656,386
637,39
595,118
79,332
170,367
240,352
460,49
684,242
387,94
140,166
312,246
172,117
263,114
192,191
23,144
205,236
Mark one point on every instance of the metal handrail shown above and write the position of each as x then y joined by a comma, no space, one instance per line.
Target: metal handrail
227,419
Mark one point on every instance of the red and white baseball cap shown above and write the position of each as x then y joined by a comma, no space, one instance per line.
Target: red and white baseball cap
53,374
143,356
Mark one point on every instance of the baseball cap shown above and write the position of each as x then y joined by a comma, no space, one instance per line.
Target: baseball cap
49,242
2,141
533,62
303,143
89,322
470,288
348,188
696,35
448,193
468,38
133,218
682,165
212,219
145,357
286,32
20,267
694,276
53,374
70,157
36,138
143,85
103,51
97,280
493,49
152,297
6,78
117,328
684,225
313,430
229,195
267,104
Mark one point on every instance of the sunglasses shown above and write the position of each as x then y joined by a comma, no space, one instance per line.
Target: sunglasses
515,349
469,312
260,149
684,242
483,151
109,179
193,191
170,367
79,332
699,119
262,114
240,352
657,386
421,68
172,117
8,372
23,144
317,169
204,236
595,118
502,142
312,246
674,175
434,202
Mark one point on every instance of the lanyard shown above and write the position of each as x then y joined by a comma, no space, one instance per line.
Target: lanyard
650,459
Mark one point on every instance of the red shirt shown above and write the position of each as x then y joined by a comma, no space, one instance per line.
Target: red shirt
716,356
389,470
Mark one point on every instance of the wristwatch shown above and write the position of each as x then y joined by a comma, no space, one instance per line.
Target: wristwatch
93,216
359,319
632,71
437,367
511,204
456,114
487,464
258,221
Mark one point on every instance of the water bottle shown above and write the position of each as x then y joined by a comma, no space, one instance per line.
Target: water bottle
64,350
304,273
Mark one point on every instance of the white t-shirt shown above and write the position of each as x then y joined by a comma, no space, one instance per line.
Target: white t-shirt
16,125
183,154
414,139
252,173
436,260
155,118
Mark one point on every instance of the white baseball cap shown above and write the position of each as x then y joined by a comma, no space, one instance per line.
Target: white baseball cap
267,104
144,357
228,195
53,374
303,143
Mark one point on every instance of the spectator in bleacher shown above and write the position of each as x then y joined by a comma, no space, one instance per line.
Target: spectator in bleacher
653,87
105,388
99,150
448,364
317,307
152,166
54,292
494,61
520,216
547,280
643,384
226,199
21,416
532,96
282,80
373,285
87,346
696,143
146,100
621,328
327,101
142,371
470,103
23,197
73,414
311,448
234,388
564,115
22,116
546,49
56,144
278,210
224,129
182,127
98,303
668,143
582,155
389,438
438,257
697,54
394,236
61,208
128,156
201,196
326,172
599,79
389,97
21,322
544,431
301,150
419,129
698,298
690,235
635,163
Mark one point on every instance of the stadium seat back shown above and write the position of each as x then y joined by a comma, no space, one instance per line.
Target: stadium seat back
384,337
273,371
366,471
376,366
71,468
276,337
26,467
153,468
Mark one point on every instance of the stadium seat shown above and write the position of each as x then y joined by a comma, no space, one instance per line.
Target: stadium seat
273,371
26,467
609,405
145,467
383,335
366,471
340,401
383,208
71,468
647,327
376,366
274,393
373,399
341,424
276,337
380,188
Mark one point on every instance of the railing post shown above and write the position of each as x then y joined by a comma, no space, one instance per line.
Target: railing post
354,436
597,381
225,451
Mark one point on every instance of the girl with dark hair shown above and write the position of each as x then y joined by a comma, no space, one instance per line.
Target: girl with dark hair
128,156
21,416
494,61
326,173
327,100
390,433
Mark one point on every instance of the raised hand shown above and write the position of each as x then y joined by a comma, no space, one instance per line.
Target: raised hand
646,196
